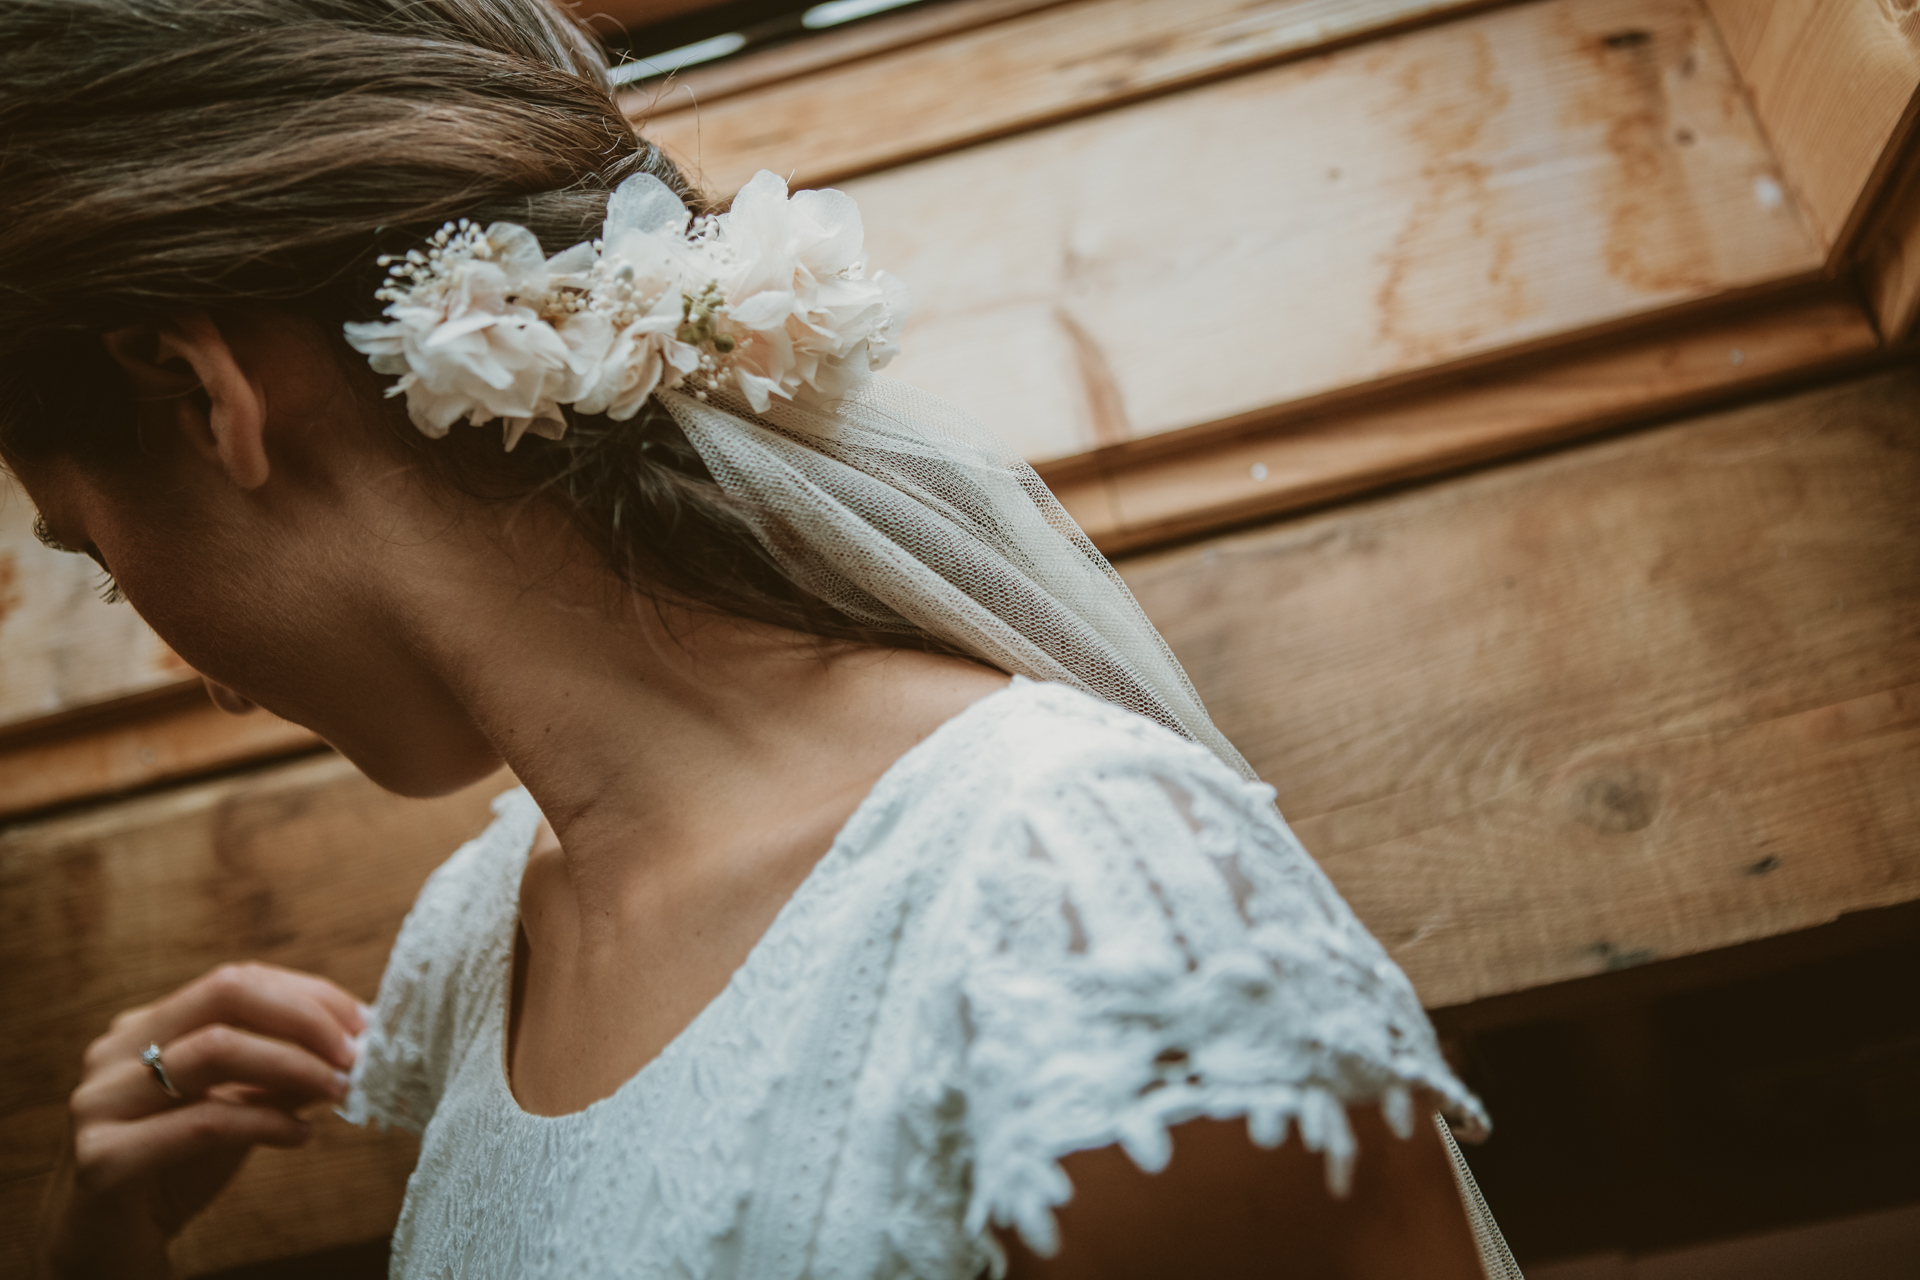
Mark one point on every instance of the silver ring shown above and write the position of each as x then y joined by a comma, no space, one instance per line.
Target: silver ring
151,1057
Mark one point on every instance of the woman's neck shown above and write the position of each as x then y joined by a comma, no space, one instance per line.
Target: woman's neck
694,768
648,733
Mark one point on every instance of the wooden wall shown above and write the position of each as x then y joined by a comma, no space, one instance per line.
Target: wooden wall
1501,406
1641,699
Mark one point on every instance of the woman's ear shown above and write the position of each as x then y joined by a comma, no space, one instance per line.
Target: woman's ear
170,360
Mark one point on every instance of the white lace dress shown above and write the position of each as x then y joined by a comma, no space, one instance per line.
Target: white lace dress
1053,925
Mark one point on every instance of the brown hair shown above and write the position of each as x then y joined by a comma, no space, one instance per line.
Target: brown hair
234,153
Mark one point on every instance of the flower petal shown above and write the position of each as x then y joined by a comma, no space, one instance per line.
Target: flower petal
837,233
644,203
763,310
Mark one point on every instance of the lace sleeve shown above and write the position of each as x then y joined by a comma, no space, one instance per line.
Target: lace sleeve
451,946
1149,945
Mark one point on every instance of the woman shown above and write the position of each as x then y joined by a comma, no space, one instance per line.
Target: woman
815,944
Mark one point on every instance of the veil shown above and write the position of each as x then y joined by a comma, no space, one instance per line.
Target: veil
896,508
887,503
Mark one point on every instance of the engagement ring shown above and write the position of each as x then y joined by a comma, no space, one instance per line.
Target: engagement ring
151,1057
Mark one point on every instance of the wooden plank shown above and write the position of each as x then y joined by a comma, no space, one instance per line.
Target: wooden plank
1507,179
61,647
1136,496
1638,700
304,864
1834,83
1890,257
704,85
146,745
1012,75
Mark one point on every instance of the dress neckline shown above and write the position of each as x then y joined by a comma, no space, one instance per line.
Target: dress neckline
847,843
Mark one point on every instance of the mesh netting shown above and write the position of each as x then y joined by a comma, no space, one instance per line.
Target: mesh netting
899,510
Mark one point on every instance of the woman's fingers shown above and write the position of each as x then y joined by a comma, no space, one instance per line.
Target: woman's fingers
338,1001
110,1155
204,1060
271,1001
201,1061
220,1054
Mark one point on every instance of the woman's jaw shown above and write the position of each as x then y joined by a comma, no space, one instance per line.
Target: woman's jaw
265,531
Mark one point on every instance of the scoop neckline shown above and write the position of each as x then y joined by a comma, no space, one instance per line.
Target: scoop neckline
845,842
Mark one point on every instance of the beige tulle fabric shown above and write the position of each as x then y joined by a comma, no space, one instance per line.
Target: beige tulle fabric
898,509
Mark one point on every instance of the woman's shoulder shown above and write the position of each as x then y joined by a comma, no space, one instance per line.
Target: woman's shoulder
1037,742
1139,940
1046,767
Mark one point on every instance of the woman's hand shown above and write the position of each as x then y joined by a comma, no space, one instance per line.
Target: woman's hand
246,1046
1225,1208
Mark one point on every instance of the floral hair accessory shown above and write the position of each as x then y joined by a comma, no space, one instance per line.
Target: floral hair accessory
770,299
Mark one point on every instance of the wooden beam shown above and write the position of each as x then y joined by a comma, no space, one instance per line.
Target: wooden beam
1521,177
1005,77
1849,934
704,85
1637,700
1836,83
305,864
1134,496
1890,256
154,742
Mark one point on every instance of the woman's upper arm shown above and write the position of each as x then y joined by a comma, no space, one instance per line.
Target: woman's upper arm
1225,1208
1146,944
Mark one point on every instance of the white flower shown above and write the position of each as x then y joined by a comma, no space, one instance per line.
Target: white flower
637,293
771,296
803,316
465,340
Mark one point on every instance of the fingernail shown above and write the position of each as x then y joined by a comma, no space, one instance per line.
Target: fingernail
342,1082
349,1050
366,1016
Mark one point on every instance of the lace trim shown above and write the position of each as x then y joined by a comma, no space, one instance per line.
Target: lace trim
1146,1060
1126,985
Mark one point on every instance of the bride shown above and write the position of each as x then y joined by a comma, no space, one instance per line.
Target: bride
880,900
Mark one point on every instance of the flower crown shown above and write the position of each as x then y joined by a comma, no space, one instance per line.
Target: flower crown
770,299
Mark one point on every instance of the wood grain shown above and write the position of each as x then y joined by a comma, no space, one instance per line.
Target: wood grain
304,864
1834,83
1159,490
139,747
1641,699
1514,178
998,79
